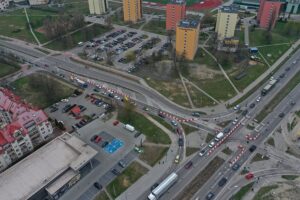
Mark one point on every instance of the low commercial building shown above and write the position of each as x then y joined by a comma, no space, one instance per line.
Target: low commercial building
226,22
175,11
268,13
187,37
49,171
98,7
132,10
21,128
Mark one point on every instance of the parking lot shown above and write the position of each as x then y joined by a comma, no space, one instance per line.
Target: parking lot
125,47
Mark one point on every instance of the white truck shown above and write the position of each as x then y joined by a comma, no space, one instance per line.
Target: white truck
129,127
163,187
219,136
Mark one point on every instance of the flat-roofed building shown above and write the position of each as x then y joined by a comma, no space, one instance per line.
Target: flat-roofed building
132,10
226,22
98,7
175,11
187,36
52,169
268,13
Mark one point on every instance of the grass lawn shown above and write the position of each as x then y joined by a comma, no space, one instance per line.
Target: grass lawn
41,90
279,96
257,38
6,69
156,26
258,157
130,175
240,35
289,177
163,122
152,132
263,192
78,6
198,98
153,154
271,141
271,54
188,129
227,151
102,196
83,35
242,192
209,137
191,150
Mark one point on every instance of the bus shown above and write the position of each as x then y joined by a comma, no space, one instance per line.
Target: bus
163,186
268,87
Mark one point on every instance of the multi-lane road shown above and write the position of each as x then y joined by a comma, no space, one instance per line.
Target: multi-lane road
63,62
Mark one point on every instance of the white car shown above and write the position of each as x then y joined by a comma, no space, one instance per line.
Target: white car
258,99
65,100
211,144
237,107
295,62
234,121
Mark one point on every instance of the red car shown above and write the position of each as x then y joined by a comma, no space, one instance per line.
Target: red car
98,139
249,176
115,123
188,165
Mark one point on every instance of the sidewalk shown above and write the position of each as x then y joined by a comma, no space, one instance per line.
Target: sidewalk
266,73
145,182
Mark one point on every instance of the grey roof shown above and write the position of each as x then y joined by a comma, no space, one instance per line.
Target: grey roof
188,23
229,9
177,2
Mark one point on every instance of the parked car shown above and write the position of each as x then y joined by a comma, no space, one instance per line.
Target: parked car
122,164
98,186
105,143
137,134
116,122
93,138
98,139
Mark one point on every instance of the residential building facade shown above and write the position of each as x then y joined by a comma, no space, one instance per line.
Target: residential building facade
268,13
132,10
293,6
175,11
187,36
98,7
226,22
21,128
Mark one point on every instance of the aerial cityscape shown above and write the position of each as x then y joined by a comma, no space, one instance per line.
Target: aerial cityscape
150,100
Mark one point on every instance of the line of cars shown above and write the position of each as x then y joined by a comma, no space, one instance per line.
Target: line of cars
97,139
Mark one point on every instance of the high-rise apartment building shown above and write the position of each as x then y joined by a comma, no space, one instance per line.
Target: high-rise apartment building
187,36
226,22
132,10
175,11
98,7
21,128
268,13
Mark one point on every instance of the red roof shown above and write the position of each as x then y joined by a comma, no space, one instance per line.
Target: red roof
76,110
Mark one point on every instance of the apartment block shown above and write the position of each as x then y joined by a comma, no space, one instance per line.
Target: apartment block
21,128
98,7
132,10
175,11
226,22
268,13
187,36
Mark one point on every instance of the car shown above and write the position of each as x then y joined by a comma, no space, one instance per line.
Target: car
282,75
115,172
245,112
116,122
138,150
188,165
287,69
235,167
146,109
237,107
252,148
177,159
180,142
65,109
202,152
122,164
53,109
196,114
98,186
93,138
98,139
211,144
137,134
104,144
294,62
226,130
210,196
174,123
179,131
234,121
292,103
252,105
154,186
258,99
222,182
249,176
281,115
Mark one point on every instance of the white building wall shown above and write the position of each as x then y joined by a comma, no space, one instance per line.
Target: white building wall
45,130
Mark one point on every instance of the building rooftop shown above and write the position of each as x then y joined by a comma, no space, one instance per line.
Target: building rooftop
177,2
229,9
34,172
188,23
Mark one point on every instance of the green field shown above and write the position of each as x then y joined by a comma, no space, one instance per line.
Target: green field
153,154
152,132
258,38
271,54
6,69
41,90
130,175
156,26
242,192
